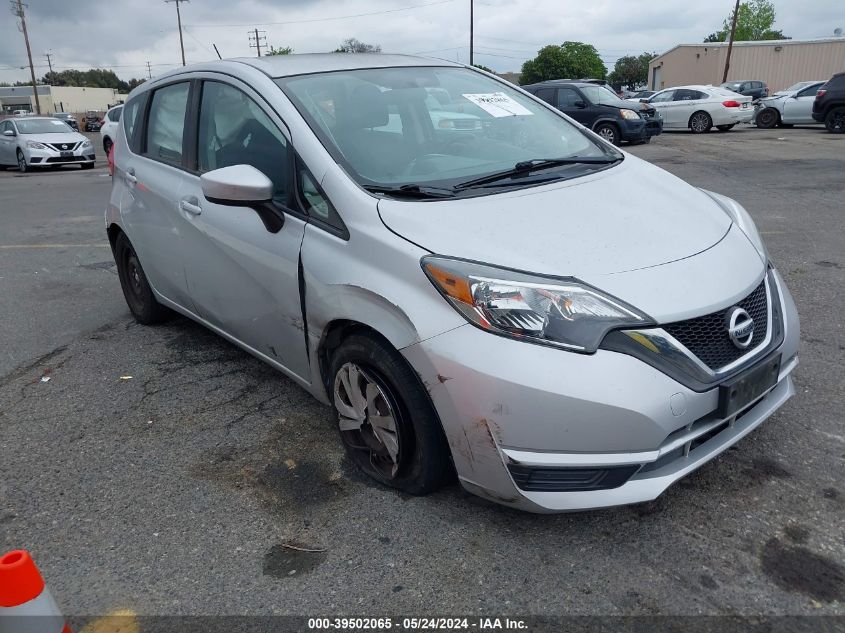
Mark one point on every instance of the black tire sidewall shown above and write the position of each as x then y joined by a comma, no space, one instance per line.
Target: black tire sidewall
426,465
775,118
25,167
144,307
828,121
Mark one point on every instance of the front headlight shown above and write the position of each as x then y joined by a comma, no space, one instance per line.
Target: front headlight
86,143
562,312
35,145
629,114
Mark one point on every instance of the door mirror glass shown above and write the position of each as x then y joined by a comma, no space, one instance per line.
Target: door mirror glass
238,185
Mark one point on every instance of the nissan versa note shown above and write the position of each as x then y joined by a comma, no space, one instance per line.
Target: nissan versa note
469,302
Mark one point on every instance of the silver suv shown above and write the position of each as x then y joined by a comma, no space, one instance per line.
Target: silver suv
459,288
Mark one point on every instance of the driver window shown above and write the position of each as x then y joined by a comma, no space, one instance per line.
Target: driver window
809,92
234,130
662,97
566,98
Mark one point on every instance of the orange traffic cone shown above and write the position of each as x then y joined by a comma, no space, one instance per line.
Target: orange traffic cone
26,605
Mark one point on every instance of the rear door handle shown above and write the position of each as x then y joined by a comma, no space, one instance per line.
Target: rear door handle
190,205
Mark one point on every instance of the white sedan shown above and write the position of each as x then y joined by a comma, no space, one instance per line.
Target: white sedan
43,142
700,108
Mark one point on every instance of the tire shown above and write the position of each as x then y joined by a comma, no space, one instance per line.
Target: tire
768,118
725,128
407,450
136,289
22,166
608,131
700,122
835,120
107,143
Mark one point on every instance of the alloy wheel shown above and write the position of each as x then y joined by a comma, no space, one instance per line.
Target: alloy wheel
368,418
21,162
836,120
700,122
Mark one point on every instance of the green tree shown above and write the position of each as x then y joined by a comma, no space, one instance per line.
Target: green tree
630,71
354,45
489,70
93,78
570,60
282,50
754,22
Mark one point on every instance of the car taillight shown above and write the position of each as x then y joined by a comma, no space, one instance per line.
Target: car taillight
820,94
730,103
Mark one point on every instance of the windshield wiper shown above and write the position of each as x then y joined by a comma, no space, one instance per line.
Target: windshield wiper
411,190
527,166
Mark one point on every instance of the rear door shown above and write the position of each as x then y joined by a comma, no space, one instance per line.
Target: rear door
799,109
242,278
153,179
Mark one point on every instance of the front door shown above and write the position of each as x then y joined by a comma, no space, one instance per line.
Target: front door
572,103
7,144
799,109
664,103
242,278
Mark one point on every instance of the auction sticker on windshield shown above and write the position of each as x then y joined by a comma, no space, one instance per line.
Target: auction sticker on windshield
498,104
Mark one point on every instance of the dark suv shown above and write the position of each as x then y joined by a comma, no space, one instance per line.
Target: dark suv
598,108
754,89
829,106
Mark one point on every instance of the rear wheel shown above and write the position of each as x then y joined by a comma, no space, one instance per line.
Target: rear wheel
386,420
835,120
136,289
22,166
107,143
700,122
725,128
608,132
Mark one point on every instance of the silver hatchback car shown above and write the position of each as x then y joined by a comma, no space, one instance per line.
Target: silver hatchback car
470,302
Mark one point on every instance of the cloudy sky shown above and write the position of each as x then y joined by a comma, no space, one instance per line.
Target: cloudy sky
125,34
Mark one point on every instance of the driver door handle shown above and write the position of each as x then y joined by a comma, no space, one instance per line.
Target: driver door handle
130,177
190,205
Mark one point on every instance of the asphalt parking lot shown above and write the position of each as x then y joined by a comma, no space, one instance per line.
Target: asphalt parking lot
163,471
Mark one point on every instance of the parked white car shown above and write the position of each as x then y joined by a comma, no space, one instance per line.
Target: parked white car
793,106
43,142
108,132
700,108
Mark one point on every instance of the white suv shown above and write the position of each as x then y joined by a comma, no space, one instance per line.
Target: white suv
108,131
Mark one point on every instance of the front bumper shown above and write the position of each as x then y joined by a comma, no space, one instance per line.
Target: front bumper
49,156
640,130
508,406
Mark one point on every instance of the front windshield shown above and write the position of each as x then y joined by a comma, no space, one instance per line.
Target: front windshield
43,126
603,95
433,126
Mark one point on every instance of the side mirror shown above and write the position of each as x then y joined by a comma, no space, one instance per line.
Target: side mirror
243,186
579,104
643,100
8,133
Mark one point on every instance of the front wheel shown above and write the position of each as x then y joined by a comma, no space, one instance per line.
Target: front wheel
386,420
22,166
608,132
835,120
700,122
768,118
136,289
725,128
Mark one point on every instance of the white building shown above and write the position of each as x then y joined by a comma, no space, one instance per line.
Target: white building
59,99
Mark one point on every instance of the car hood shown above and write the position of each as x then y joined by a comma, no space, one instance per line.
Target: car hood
649,253
61,137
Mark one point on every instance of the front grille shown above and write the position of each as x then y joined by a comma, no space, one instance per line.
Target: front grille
707,336
63,147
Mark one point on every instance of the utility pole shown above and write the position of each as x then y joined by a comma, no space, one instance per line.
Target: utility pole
731,42
49,61
255,39
149,71
179,20
17,10
471,25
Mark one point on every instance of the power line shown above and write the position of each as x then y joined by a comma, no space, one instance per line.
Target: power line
179,21
337,17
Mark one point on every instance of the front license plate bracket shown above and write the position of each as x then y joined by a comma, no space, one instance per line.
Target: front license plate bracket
741,390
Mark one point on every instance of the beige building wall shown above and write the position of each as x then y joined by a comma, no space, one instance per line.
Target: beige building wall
75,99
778,63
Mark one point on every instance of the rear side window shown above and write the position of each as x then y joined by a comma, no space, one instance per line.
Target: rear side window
234,130
130,118
546,94
114,114
166,123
